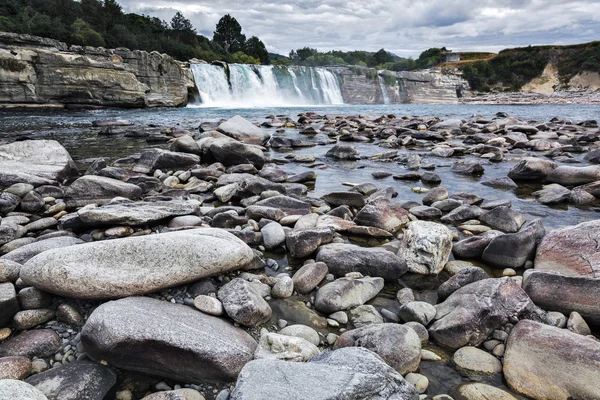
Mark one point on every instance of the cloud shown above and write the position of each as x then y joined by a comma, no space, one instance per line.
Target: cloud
404,27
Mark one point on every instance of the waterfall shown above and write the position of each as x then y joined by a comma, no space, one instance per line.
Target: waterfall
265,85
384,92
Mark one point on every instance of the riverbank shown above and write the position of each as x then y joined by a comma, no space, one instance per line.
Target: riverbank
524,98
254,259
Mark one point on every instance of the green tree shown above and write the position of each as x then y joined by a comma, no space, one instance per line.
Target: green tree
243,58
228,34
84,35
382,57
306,52
183,29
256,48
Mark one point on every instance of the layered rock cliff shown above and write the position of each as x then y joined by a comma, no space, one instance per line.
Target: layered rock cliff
37,71
368,86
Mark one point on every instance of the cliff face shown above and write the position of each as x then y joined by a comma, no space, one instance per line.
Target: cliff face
368,86
39,71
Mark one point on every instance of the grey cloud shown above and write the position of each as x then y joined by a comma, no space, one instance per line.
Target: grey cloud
404,27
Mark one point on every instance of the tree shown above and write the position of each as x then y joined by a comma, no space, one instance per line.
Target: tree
306,52
256,48
228,34
183,29
84,35
382,57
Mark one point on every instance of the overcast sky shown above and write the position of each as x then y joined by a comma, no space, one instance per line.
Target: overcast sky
403,27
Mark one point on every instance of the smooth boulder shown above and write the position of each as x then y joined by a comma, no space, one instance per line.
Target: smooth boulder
345,293
426,247
243,130
136,265
93,189
159,338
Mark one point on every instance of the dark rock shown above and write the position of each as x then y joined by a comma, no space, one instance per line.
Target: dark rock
464,277
309,276
154,159
243,303
343,152
92,189
474,246
9,305
567,175
463,213
288,205
503,219
382,213
531,169
35,343
32,202
514,249
552,194
302,243
467,168
351,199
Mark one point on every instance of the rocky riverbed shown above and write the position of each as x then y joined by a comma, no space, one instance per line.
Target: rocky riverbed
444,259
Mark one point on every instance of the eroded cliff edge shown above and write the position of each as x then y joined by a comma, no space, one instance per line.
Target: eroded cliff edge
37,71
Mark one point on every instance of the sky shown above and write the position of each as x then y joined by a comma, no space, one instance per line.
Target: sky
403,27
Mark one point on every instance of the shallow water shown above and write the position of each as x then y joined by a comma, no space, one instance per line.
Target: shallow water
74,130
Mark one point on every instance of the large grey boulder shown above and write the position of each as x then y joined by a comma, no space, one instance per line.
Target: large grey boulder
168,340
514,249
165,160
343,152
531,169
243,130
277,346
93,189
74,381
382,213
11,389
34,343
426,247
136,213
37,162
136,265
533,352
217,147
504,219
573,251
289,205
343,258
345,293
350,373
474,246
470,314
28,251
568,175
462,278
398,345
244,303
553,291
302,243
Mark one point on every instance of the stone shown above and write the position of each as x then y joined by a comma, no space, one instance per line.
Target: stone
35,343
37,162
470,314
135,213
426,247
26,252
471,361
557,292
186,220
19,189
309,276
474,246
76,380
302,243
345,293
31,298
154,159
275,346
425,212
351,199
532,169
434,195
11,389
514,249
178,394
9,304
243,303
8,202
41,224
533,351
481,391
230,152
9,271
295,311
418,311
284,287
467,168
572,251
289,205
343,258
343,152
243,130
462,213
15,367
365,315
302,331
504,219
405,295
577,324
111,269
32,202
349,373
503,183
185,144
464,277
69,314
273,235
194,347
552,194
397,345
568,175
209,305
93,189
382,213
28,319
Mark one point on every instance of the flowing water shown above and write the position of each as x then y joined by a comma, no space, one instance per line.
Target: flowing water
384,91
245,85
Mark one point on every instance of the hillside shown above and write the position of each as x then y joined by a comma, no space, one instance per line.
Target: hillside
511,69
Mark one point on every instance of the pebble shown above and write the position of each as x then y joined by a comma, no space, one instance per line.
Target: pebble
427,355
209,305
420,382
331,338
340,316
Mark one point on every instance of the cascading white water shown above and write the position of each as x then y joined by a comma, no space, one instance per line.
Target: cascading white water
260,86
384,91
